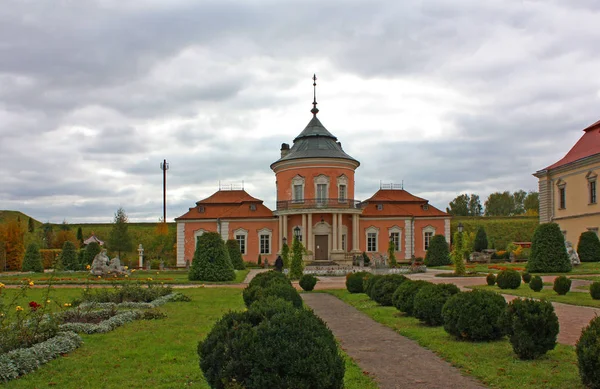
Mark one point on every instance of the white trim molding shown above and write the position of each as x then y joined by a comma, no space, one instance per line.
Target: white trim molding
261,232
298,180
238,232
372,230
395,229
426,229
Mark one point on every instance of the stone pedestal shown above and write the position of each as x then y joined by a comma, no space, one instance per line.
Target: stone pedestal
339,257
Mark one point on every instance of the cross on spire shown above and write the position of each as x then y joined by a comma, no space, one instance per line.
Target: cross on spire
315,110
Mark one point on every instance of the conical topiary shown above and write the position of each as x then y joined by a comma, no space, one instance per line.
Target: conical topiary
438,253
211,260
235,255
285,255
68,257
91,250
481,241
588,247
297,266
33,259
548,251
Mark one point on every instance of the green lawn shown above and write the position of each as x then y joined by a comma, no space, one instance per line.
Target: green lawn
573,298
149,354
83,277
584,268
593,278
494,363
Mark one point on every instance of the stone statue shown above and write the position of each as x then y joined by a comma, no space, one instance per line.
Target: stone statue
100,264
573,256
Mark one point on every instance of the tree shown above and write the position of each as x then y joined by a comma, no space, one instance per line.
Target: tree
297,266
14,245
63,236
475,208
65,226
119,239
438,253
481,241
532,203
588,247
80,236
91,250
161,246
458,252
211,260
30,225
548,251
33,259
285,255
519,201
47,235
391,254
500,204
68,257
233,247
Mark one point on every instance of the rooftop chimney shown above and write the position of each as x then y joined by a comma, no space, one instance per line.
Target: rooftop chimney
285,149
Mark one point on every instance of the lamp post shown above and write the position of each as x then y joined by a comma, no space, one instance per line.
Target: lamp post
460,227
284,240
164,166
297,233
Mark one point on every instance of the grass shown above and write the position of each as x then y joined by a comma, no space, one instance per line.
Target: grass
584,268
573,298
595,279
149,354
493,363
83,277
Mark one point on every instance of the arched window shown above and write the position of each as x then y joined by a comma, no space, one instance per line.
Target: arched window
241,236
395,234
264,241
342,183
321,189
428,233
298,189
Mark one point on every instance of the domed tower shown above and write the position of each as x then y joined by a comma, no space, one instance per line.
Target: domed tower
315,194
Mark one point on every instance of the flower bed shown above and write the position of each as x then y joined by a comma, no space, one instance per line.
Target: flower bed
105,325
25,360
342,271
137,305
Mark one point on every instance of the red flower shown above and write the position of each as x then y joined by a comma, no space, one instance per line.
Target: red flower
33,305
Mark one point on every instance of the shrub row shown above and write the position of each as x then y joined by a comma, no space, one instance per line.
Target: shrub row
271,283
128,292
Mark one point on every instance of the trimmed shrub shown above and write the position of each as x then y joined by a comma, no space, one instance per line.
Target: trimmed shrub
308,282
588,354
595,290
404,297
271,285
268,278
474,315
430,300
354,282
33,259
491,279
366,259
235,255
588,247
384,288
548,251
508,279
91,250
271,348
526,277
68,257
438,253
532,327
536,284
211,260
481,241
369,282
562,285
297,265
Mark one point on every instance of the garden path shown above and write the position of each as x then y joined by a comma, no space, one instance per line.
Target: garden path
393,360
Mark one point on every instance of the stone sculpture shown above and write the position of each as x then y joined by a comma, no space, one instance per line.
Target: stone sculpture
102,265
573,256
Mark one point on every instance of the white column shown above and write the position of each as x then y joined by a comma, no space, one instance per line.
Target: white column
408,239
304,241
335,229
447,230
340,231
309,238
355,232
280,226
285,228
181,244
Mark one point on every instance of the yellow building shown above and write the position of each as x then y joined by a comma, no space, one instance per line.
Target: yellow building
568,188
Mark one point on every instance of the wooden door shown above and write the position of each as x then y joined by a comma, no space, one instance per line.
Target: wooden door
321,248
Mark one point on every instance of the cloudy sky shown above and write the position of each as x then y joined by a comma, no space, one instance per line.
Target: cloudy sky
449,96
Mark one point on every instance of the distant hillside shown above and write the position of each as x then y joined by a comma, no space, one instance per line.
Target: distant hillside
6,216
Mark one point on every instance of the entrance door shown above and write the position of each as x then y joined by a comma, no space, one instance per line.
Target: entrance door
321,249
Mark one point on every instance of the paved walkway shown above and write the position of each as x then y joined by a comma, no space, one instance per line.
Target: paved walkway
393,360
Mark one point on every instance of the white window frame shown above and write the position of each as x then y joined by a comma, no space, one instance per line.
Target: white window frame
197,234
298,180
592,187
244,233
321,179
369,231
342,182
427,230
562,193
269,234
398,244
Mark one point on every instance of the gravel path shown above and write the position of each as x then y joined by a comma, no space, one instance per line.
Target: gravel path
393,360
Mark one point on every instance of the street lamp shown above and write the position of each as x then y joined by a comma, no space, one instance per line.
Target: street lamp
297,232
284,239
460,227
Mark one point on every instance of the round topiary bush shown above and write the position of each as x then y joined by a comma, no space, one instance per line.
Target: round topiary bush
532,327
211,260
595,290
438,253
430,300
33,259
548,251
272,345
235,255
267,278
508,279
276,289
491,279
588,354
474,315
308,282
369,282
384,288
536,284
562,285
588,247
404,297
526,277
354,281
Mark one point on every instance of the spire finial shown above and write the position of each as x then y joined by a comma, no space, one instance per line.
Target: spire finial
315,110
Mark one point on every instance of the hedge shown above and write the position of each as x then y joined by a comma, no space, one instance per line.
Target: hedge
500,231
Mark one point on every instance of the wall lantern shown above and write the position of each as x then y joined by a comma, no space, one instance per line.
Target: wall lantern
284,239
460,228
297,232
